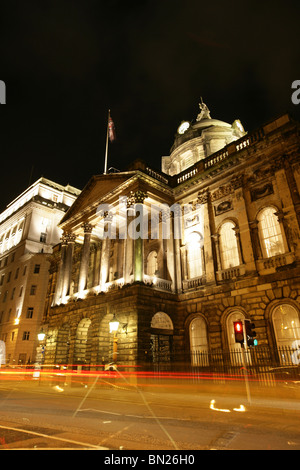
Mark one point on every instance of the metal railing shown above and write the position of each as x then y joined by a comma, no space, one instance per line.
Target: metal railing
264,365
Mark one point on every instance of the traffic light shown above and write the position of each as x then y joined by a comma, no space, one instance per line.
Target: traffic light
238,331
250,333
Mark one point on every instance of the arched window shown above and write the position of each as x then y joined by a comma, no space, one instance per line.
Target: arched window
287,332
194,255
198,342
286,324
152,265
228,246
270,233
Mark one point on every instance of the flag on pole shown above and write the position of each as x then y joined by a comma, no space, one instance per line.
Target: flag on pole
110,136
111,130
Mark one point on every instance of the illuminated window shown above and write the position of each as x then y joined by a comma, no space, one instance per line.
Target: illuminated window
286,325
152,265
270,233
194,255
198,342
228,246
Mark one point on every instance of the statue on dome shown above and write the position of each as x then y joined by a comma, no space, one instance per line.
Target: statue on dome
205,113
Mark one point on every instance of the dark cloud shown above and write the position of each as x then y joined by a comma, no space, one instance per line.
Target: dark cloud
66,62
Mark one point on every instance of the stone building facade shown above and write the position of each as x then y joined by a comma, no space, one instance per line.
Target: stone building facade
178,256
28,231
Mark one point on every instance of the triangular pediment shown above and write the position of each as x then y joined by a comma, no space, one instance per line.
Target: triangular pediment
99,187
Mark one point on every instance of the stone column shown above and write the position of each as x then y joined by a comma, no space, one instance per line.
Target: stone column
241,205
287,241
164,245
176,232
238,242
135,198
60,274
85,255
216,238
128,258
255,239
211,264
68,264
104,268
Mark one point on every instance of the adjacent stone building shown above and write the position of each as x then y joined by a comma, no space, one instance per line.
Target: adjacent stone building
176,256
28,231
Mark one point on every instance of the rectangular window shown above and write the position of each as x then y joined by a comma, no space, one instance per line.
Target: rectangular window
12,293
2,280
21,290
17,273
26,335
8,276
33,289
29,313
36,268
24,271
43,237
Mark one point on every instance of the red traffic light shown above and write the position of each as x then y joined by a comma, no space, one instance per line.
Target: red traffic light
238,331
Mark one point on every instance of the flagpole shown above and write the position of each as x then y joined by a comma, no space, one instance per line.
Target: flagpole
106,149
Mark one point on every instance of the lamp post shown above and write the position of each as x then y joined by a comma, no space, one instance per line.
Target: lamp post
39,359
113,328
41,335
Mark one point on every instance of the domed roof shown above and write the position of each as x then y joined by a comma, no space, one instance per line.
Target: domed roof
189,130
198,139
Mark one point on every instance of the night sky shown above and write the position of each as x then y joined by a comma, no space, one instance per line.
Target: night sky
65,63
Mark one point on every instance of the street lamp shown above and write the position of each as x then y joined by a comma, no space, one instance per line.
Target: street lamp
113,328
41,335
113,325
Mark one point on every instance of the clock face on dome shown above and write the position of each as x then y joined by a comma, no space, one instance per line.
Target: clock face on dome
183,127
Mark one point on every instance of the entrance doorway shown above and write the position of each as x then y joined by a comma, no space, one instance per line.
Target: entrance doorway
161,348
161,341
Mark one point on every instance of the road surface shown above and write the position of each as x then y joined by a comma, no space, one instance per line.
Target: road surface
121,415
